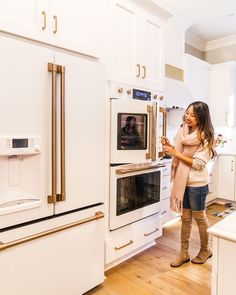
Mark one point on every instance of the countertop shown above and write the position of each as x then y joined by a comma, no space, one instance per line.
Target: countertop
226,228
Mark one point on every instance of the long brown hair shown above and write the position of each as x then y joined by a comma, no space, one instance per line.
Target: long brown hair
205,127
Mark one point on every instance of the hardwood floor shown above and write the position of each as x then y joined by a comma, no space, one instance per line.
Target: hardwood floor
149,272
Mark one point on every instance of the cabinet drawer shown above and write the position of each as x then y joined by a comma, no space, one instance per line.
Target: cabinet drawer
165,210
166,187
167,169
120,245
148,230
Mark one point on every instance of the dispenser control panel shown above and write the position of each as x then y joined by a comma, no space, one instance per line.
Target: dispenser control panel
20,145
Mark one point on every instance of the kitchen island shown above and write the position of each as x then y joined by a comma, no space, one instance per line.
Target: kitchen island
224,256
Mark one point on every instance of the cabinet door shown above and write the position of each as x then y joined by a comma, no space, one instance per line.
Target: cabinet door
223,91
77,25
226,177
152,65
27,18
122,64
197,78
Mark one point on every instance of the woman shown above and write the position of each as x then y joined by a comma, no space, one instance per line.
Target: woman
194,147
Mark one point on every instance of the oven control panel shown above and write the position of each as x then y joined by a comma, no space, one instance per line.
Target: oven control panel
20,145
125,91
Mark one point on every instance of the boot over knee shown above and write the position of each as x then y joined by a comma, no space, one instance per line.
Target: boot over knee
185,237
203,224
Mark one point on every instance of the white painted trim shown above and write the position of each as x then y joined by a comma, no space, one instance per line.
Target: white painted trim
219,43
194,41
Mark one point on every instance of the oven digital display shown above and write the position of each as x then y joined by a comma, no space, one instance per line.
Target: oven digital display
141,94
20,143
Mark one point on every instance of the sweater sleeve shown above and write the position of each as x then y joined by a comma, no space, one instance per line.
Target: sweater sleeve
201,157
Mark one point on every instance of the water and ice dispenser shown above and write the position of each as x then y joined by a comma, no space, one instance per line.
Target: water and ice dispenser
19,173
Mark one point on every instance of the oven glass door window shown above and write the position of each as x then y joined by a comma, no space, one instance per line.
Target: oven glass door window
137,191
132,131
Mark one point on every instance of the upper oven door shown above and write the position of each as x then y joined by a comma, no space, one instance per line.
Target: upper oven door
133,131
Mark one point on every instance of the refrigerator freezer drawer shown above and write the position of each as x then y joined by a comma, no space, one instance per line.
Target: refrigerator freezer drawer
69,261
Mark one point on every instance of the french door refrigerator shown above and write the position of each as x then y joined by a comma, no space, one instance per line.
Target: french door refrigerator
51,170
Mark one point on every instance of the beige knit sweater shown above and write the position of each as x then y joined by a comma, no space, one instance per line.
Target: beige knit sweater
198,175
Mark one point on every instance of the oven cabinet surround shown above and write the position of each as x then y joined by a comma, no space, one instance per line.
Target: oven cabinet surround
224,256
71,25
44,265
226,177
136,44
131,239
223,94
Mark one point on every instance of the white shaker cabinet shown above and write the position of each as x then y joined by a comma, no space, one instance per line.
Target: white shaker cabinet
71,24
223,94
197,78
135,47
226,177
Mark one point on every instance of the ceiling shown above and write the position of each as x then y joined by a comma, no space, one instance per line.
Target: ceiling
208,19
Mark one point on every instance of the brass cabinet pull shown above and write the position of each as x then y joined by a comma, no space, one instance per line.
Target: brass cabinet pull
53,69
152,232
97,216
44,20
164,212
123,246
139,69
144,72
55,24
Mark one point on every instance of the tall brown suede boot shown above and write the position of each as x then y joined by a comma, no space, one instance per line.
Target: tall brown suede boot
185,237
203,224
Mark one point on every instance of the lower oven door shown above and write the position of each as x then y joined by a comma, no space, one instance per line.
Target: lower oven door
135,193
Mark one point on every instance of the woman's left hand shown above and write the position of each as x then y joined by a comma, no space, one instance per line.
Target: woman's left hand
169,150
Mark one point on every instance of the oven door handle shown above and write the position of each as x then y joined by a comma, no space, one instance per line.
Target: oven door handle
152,110
137,168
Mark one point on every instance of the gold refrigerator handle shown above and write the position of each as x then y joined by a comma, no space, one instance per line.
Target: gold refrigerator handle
4,246
62,196
53,197
150,111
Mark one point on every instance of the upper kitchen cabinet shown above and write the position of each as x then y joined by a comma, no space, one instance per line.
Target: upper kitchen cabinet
223,94
136,42
197,77
75,25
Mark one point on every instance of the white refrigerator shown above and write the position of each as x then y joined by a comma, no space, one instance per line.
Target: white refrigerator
52,155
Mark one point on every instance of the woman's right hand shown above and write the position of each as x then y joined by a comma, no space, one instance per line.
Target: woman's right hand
165,141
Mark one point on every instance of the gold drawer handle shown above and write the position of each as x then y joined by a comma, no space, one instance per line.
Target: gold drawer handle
164,212
123,246
152,232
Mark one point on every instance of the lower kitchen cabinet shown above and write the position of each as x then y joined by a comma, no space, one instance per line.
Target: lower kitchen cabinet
166,212
226,177
224,256
129,240
212,167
